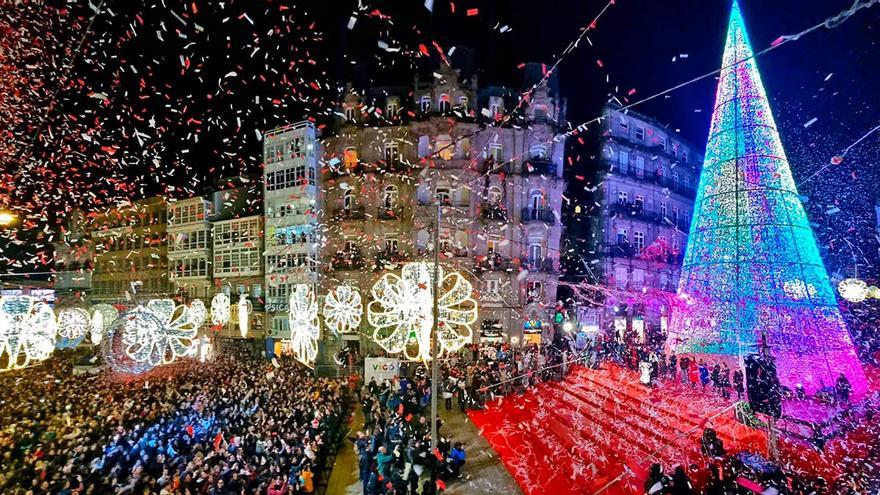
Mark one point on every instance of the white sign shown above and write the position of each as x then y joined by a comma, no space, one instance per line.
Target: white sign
380,368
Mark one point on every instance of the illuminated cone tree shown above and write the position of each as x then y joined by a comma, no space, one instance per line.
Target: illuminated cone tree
752,264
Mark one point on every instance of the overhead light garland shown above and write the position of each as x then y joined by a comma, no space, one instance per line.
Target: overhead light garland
152,335
343,309
102,316
220,310
402,311
304,324
73,325
27,331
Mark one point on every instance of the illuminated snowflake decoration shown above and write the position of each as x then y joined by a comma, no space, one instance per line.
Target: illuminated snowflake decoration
853,290
304,324
245,306
103,315
343,309
220,310
73,325
152,335
27,331
402,311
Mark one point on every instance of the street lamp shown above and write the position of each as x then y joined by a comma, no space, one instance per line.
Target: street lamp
568,326
7,218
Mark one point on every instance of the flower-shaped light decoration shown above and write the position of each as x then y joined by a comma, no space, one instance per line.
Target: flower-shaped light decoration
27,331
73,325
304,324
853,290
343,309
245,306
103,315
151,335
220,309
402,311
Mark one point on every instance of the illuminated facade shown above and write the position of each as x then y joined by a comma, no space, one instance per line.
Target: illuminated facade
752,264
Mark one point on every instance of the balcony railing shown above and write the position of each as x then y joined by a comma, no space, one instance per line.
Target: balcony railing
493,212
389,260
347,261
493,167
540,264
494,263
637,211
539,215
677,187
353,213
538,167
73,280
627,250
388,213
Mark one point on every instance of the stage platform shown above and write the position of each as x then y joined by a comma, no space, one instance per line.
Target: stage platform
602,429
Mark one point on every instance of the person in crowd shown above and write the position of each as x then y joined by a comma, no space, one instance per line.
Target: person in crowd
680,484
693,373
842,390
724,381
685,365
739,384
232,425
656,482
710,445
703,370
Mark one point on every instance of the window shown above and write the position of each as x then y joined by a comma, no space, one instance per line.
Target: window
392,153
623,125
675,180
425,104
391,108
684,155
349,247
350,157
493,244
493,287
675,149
536,200
664,280
622,236
443,195
621,276
640,133
496,152
686,219
494,195
640,166
389,197
624,161
686,182
639,238
496,106
463,103
349,113
391,243
639,201
347,199
534,291
663,212
661,170
663,241
638,278
443,103
444,147
661,142
622,197
536,251
675,215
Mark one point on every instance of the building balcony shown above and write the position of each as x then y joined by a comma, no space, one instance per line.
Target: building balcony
388,213
347,261
539,167
627,250
493,212
343,169
674,186
490,166
389,260
348,214
494,263
73,280
538,215
540,264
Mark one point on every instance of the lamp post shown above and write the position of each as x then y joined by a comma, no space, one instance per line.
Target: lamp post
7,218
435,367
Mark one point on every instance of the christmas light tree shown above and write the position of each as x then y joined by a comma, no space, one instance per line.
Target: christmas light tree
752,265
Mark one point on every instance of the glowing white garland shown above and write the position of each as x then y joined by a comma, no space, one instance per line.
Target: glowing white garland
220,309
27,331
151,335
343,309
304,324
402,311
244,314
103,315
73,324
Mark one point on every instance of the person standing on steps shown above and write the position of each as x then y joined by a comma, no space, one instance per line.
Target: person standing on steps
738,384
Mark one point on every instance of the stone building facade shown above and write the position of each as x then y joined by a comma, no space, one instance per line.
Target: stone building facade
398,149
648,178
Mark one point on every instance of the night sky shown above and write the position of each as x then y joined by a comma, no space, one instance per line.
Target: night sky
172,95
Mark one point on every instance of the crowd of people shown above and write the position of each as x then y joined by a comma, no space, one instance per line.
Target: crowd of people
237,424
